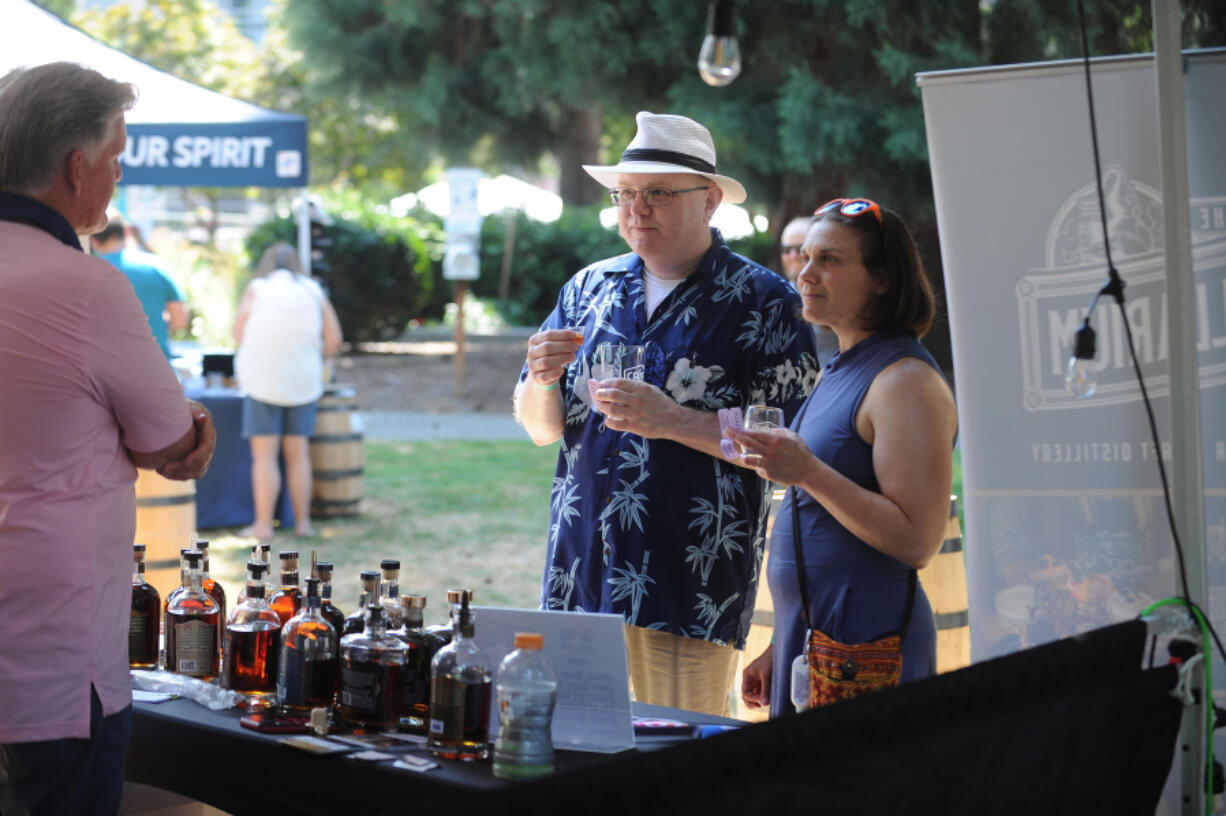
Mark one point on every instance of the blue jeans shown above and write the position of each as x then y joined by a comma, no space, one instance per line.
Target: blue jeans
68,776
262,419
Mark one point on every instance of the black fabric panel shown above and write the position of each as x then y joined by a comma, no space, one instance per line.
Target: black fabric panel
1071,727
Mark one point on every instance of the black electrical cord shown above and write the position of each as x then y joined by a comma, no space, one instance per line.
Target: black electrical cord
1115,288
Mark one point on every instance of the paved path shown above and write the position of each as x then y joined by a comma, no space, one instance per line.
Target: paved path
388,426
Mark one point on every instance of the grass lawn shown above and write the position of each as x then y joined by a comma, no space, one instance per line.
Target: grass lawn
472,514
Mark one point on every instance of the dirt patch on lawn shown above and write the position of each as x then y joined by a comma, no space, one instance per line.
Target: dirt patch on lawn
420,376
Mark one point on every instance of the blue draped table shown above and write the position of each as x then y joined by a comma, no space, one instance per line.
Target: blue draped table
223,495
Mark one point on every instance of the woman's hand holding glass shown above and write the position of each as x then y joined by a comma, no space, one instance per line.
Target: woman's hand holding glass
777,454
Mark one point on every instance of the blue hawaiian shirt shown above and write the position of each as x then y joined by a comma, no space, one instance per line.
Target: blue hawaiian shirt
662,534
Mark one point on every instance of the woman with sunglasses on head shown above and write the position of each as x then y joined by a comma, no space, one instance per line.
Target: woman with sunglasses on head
869,460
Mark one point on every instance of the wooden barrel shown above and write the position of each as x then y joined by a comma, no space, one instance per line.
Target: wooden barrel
165,521
944,581
338,458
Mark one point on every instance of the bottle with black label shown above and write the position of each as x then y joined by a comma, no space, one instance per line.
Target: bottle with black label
356,622
372,675
460,688
193,625
306,676
144,624
415,710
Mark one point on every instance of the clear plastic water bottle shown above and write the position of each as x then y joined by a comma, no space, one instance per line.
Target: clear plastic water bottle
527,690
800,682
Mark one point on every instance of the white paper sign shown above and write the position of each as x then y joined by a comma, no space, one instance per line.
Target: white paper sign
588,652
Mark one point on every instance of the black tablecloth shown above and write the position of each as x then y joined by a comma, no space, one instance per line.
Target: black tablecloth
206,755
223,495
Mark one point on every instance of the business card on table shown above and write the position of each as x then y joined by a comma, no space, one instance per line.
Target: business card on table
315,745
409,762
373,756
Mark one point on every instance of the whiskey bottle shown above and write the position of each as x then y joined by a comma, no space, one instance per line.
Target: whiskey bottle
460,686
252,644
288,601
193,626
369,595
306,676
212,587
415,707
372,675
389,592
144,623
333,615
259,552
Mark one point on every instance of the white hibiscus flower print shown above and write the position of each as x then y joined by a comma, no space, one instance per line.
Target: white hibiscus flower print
785,372
688,382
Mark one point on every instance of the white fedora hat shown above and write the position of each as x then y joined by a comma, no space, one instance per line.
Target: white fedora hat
666,143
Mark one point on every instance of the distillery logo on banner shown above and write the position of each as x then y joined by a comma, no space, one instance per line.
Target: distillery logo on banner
1053,301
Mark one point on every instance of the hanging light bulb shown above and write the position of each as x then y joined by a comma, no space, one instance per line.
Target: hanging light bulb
719,59
1080,380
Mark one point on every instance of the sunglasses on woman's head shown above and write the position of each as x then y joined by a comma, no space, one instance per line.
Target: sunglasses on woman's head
850,207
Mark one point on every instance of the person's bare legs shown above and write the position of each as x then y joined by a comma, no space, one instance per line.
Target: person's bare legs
297,452
265,483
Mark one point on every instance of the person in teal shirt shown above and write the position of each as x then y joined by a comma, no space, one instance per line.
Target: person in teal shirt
159,295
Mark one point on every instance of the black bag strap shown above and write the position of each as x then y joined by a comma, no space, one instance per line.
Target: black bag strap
801,576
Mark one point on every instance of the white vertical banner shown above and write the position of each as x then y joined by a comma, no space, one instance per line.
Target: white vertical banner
1065,524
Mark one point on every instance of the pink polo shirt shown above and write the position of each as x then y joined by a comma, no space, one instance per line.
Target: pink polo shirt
81,377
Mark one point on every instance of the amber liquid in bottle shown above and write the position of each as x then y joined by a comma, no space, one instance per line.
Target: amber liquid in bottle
251,659
472,700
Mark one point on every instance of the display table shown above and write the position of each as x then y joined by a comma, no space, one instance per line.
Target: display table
206,755
1071,727
223,495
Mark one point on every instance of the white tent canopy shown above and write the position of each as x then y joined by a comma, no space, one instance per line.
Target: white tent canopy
180,134
493,195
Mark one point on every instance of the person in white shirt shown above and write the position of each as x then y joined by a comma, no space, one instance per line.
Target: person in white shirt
285,328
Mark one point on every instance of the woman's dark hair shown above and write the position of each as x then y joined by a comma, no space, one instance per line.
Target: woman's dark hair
889,254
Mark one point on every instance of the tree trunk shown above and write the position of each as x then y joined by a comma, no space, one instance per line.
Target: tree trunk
580,145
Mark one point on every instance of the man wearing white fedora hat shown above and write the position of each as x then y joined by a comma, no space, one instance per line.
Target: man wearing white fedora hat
649,517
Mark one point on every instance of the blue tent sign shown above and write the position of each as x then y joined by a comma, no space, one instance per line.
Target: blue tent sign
267,153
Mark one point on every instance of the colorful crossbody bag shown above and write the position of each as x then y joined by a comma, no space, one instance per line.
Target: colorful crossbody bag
840,671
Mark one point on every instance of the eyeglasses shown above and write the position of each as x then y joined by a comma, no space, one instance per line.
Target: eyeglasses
787,250
850,207
652,197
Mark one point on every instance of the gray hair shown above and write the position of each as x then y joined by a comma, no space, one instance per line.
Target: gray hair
278,256
47,113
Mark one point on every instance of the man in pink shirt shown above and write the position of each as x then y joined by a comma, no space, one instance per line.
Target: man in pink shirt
86,397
